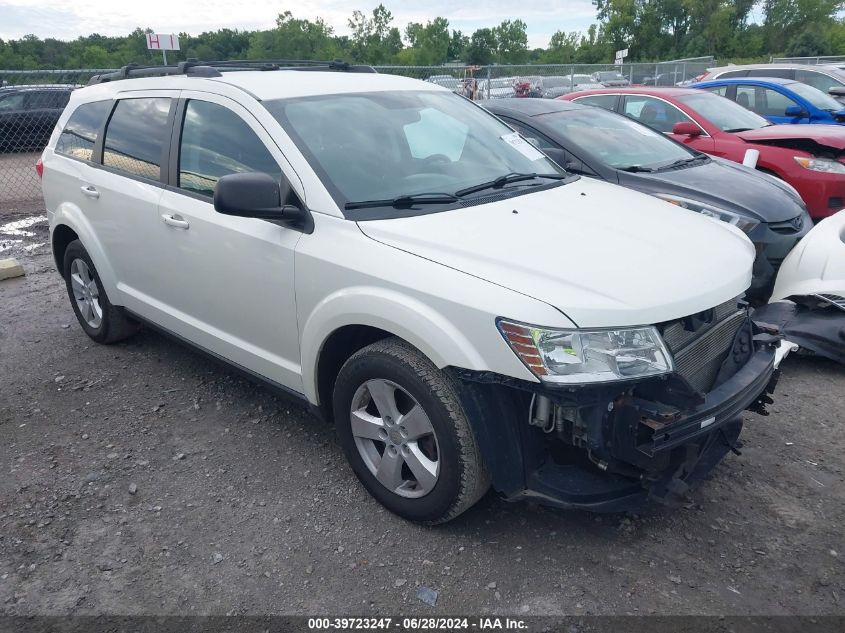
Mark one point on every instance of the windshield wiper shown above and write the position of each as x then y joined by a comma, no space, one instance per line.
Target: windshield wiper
501,181
740,129
634,169
401,202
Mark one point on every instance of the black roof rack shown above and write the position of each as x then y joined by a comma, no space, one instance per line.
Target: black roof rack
196,68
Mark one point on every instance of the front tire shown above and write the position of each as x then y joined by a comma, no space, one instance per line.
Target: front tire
102,321
403,429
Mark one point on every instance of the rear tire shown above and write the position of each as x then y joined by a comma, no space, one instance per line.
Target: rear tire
403,429
102,321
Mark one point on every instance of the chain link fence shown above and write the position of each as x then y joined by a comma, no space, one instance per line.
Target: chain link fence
32,101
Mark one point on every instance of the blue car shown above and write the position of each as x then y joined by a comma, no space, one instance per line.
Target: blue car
779,100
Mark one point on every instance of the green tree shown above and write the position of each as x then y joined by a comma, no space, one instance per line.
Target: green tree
512,42
294,39
482,47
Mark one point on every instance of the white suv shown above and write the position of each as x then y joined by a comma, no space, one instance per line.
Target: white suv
463,310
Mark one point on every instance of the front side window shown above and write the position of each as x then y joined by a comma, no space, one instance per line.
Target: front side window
388,145
216,142
654,113
723,113
718,90
614,140
816,97
79,135
746,96
773,103
136,135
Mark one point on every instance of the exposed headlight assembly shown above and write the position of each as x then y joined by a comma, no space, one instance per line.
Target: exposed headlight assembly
588,356
821,164
741,222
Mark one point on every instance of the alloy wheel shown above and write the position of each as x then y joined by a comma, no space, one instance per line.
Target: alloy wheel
395,438
86,293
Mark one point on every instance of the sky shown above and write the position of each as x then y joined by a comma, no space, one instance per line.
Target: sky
68,20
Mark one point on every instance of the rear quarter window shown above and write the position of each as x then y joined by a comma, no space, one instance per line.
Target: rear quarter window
80,133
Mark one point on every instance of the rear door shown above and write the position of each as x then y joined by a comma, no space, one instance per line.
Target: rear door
122,195
225,283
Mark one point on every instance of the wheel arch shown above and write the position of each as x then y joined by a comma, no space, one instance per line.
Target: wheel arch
68,224
353,318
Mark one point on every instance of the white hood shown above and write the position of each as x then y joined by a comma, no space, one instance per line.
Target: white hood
603,255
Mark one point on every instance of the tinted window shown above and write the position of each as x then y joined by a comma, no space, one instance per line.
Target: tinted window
817,80
80,133
12,102
718,90
46,99
608,102
136,135
215,142
654,113
784,73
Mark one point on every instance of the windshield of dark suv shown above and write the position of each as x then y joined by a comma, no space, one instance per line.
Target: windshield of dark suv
397,152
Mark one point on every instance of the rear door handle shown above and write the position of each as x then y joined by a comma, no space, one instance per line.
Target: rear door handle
175,220
90,191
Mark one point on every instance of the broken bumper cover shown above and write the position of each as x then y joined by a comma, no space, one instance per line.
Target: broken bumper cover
619,467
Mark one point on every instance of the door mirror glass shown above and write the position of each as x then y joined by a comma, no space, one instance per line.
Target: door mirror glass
686,128
252,195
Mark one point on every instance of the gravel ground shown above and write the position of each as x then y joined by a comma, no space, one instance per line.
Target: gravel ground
142,479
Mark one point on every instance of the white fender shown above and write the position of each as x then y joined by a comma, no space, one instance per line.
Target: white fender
433,334
816,266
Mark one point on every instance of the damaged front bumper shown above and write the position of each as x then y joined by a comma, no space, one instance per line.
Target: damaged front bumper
611,447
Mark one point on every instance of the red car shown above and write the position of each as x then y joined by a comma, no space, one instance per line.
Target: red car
809,157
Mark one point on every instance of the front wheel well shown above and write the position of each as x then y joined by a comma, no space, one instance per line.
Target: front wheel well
339,346
62,236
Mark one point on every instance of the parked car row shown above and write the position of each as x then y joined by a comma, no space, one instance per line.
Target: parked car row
545,86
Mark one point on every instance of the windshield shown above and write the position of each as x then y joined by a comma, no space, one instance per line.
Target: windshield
816,97
613,139
388,145
724,113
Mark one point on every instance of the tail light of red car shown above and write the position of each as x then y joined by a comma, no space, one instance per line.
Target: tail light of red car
39,168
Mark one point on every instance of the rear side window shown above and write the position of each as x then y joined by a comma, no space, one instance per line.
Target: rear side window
216,142
783,73
136,135
733,73
608,102
47,99
80,133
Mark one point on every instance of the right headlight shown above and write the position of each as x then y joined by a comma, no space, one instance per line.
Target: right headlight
588,356
744,223
821,164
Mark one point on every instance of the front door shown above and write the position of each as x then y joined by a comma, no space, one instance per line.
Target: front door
226,283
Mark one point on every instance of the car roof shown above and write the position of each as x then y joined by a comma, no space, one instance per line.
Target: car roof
275,84
822,67
25,87
654,91
529,107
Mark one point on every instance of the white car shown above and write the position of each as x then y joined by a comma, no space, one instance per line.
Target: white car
463,310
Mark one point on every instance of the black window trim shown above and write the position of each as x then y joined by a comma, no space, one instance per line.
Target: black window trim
171,174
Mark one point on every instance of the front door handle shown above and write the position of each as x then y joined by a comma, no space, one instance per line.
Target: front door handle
175,220
90,191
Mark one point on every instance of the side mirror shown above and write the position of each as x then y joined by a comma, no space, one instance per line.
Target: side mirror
795,111
558,155
837,91
686,128
252,195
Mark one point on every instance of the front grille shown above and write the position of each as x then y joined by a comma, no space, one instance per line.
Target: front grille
788,227
700,343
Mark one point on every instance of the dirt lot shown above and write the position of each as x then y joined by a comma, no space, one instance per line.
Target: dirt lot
242,503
